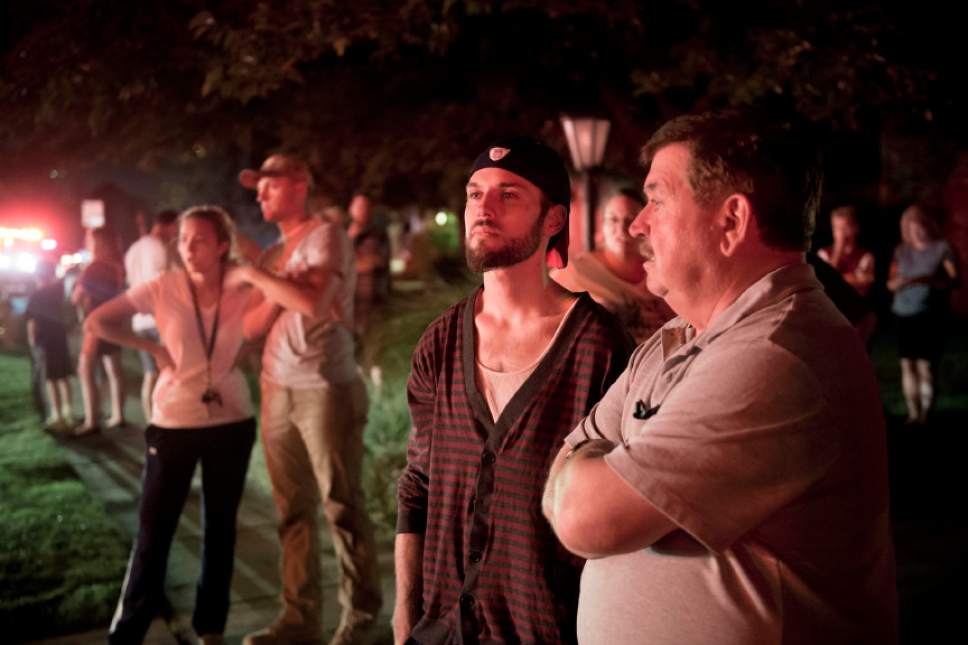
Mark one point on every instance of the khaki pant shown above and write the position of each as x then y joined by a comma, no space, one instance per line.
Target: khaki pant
313,442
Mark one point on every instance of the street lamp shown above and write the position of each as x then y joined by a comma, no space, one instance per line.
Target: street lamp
586,142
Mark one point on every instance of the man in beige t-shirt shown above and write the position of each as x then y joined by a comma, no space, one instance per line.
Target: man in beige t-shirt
731,486
313,408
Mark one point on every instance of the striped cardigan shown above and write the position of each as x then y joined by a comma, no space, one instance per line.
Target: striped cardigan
493,571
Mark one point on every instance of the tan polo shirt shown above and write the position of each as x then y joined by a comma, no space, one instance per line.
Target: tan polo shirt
763,440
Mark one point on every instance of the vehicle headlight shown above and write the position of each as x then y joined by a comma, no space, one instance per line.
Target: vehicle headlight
26,263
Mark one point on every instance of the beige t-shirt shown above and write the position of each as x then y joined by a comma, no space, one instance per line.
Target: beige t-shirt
499,388
305,352
763,440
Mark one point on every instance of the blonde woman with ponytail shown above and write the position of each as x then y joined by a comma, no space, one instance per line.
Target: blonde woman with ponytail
201,413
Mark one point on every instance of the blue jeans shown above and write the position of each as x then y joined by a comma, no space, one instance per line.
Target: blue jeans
170,459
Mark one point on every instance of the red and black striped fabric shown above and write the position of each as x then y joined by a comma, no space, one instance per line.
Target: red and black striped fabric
493,570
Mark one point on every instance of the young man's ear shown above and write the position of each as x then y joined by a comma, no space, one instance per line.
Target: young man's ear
736,219
555,220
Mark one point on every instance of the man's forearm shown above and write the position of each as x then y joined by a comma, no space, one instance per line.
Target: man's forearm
302,298
408,563
594,512
559,474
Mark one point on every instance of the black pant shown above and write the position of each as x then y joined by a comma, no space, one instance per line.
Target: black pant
170,459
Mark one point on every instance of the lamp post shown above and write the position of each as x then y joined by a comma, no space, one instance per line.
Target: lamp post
586,142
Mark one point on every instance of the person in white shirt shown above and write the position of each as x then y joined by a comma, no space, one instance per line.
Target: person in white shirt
201,413
145,260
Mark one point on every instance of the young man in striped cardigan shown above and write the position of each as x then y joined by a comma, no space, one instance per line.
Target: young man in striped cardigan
497,381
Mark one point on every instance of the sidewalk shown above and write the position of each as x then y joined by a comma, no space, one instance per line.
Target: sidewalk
110,464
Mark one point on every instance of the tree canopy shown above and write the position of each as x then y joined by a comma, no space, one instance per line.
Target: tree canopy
397,97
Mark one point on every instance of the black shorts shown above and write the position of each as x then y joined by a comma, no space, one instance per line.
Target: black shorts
921,336
56,359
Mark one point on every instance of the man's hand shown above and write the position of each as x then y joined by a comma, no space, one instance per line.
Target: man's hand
237,276
586,449
593,511
405,616
408,558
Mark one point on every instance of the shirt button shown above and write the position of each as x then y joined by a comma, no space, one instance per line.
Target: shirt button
467,601
475,556
488,457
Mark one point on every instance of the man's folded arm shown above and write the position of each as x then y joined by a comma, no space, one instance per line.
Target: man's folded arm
593,511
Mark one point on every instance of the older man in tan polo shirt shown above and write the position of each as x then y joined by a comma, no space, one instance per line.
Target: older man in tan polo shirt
731,486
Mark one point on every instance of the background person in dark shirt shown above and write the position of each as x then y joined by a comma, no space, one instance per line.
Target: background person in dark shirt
371,245
100,281
47,337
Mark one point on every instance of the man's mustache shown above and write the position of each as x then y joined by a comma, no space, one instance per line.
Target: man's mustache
645,248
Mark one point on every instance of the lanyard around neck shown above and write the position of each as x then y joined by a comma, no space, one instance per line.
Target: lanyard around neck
208,344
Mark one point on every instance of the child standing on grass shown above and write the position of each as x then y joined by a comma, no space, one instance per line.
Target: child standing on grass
47,337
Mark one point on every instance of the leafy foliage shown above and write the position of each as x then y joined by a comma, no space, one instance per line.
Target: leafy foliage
391,342
394,98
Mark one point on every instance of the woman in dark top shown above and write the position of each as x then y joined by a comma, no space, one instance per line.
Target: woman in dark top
922,275
100,281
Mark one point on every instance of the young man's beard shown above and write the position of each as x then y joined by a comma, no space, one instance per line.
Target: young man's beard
514,251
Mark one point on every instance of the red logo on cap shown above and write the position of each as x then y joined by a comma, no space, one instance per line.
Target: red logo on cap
496,154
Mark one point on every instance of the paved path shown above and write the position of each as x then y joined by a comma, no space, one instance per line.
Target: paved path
110,464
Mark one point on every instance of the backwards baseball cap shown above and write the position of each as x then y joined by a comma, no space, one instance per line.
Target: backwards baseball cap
277,165
543,167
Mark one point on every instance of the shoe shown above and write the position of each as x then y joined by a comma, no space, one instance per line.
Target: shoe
276,635
116,425
211,639
57,425
85,430
357,633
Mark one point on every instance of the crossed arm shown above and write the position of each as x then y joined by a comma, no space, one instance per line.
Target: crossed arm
310,294
593,511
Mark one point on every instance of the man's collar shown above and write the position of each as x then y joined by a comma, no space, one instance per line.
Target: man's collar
772,287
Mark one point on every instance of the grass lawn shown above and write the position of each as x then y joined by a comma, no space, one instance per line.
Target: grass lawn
951,376
61,558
